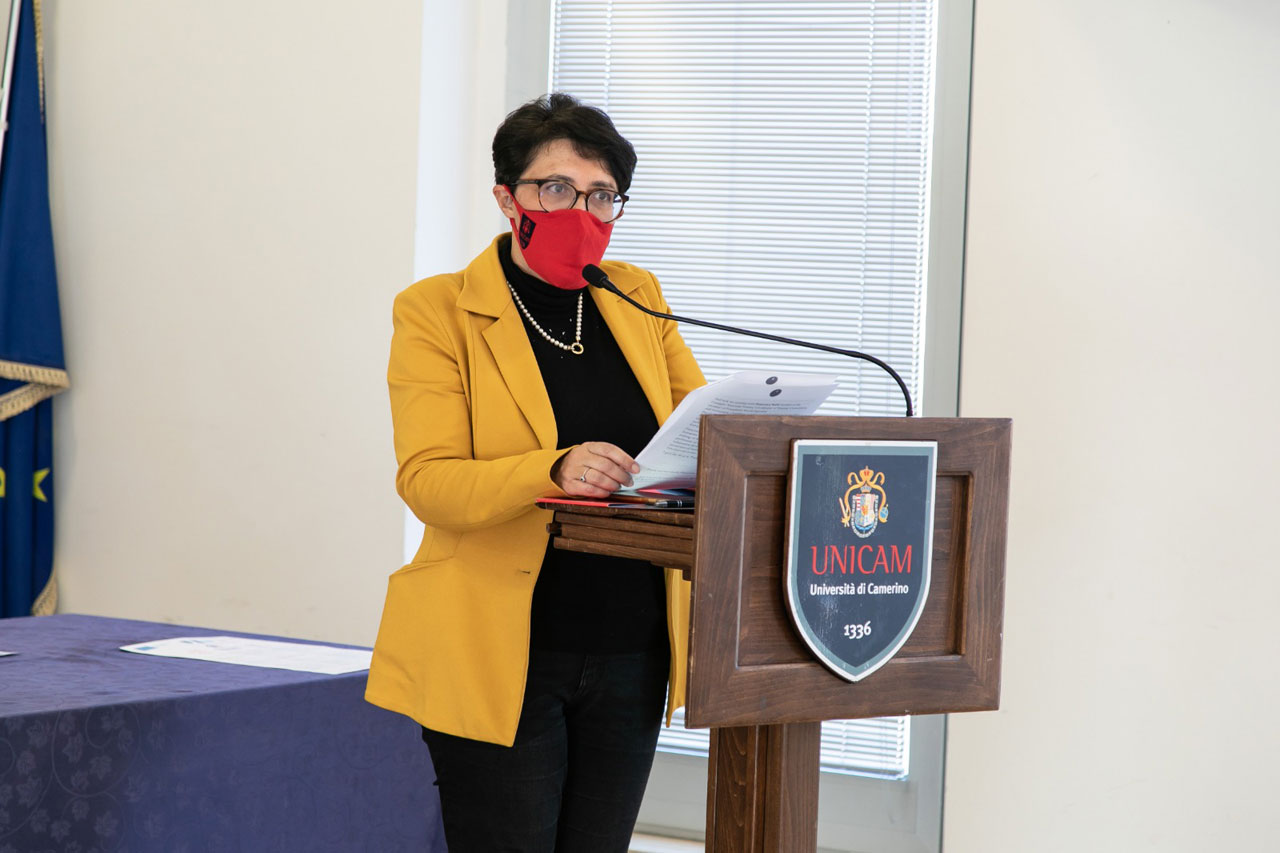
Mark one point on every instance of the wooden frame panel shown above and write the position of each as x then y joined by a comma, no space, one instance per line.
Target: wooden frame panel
746,664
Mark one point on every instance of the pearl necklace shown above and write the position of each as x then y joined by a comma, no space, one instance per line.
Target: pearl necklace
575,347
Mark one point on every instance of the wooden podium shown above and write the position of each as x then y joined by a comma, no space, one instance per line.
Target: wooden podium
751,678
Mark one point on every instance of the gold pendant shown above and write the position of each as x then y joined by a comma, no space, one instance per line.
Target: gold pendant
575,348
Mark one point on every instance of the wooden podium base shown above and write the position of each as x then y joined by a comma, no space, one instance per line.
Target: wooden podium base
762,789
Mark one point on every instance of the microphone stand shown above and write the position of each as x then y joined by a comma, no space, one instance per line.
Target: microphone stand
598,278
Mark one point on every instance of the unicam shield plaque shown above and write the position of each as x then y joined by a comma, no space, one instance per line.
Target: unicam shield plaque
859,541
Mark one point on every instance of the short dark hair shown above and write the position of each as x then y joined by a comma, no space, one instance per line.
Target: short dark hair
559,116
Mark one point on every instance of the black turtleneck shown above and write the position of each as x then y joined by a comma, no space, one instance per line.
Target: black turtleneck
586,602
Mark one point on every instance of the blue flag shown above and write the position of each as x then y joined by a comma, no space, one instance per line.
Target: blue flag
31,364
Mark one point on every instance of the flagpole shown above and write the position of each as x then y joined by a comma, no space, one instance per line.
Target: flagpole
10,54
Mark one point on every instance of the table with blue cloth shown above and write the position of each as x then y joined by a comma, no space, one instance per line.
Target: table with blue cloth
103,750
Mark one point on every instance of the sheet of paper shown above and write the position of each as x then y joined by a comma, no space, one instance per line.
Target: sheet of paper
6,654
272,654
670,460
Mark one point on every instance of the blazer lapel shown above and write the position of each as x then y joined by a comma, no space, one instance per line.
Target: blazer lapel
485,294
509,344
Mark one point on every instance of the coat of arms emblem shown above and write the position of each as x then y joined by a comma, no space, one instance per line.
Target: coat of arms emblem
865,503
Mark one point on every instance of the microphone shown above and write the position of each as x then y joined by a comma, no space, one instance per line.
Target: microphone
597,277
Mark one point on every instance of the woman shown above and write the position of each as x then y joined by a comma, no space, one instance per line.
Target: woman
537,674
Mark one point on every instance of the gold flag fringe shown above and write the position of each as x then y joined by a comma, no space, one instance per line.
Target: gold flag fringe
35,5
47,602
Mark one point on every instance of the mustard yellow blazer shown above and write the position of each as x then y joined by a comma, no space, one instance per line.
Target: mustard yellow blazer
475,440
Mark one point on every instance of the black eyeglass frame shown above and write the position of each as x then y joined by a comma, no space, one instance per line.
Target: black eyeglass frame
620,198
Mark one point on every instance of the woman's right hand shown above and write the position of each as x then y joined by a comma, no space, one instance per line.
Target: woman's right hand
594,469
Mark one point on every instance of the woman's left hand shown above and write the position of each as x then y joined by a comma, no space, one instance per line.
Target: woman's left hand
594,469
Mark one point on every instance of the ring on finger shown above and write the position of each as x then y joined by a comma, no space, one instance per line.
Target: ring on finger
585,469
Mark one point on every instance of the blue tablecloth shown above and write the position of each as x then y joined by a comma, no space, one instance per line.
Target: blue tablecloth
102,750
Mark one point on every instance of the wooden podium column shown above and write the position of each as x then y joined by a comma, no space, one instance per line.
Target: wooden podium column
762,789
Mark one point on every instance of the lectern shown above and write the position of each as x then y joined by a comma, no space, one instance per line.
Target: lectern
751,678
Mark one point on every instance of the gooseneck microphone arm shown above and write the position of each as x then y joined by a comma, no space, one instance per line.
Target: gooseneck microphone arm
597,277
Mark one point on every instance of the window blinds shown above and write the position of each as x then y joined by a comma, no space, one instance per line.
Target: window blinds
782,186
880,746
783,177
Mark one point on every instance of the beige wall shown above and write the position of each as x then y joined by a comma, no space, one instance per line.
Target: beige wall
233,197
1121,305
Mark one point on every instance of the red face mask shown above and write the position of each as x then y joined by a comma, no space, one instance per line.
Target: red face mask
557,244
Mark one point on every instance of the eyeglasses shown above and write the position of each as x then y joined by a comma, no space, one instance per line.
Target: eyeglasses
555,194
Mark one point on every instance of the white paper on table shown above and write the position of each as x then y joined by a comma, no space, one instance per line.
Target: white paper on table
6,654
670,459
272,654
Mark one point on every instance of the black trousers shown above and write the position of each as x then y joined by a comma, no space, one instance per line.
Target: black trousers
573,780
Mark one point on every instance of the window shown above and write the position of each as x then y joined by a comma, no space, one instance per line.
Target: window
783,185
784,170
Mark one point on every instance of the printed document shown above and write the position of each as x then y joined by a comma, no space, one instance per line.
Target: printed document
670,460
272,654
